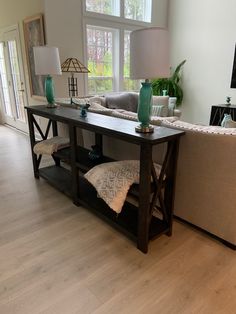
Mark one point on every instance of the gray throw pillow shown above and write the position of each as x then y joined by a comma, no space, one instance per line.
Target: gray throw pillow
126,101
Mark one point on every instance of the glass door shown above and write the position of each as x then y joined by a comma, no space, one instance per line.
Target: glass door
12,85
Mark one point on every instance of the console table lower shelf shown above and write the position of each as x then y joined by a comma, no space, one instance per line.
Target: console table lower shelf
126,221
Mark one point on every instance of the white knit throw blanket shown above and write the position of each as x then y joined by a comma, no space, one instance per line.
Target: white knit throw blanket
51,145
112,180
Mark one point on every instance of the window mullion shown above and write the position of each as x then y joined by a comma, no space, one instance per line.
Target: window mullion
116,62
122,8
121,60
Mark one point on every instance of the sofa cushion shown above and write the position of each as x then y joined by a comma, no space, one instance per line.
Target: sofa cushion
171,108
157,110
161,101
126,101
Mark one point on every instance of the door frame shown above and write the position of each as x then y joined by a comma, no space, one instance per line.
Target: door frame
23,126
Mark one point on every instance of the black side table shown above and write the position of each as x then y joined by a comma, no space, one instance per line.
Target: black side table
218,111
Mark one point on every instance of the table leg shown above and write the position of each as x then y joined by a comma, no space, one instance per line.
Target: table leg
74,170
144,197
232,113
99,143
169,193
54,128
32,142
55,133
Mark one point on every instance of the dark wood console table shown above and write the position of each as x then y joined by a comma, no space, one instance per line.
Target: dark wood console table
218,111
139,222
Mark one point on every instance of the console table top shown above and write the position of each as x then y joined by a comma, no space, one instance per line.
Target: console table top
106,125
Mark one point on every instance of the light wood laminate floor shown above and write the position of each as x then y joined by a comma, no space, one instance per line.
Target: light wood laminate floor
61,259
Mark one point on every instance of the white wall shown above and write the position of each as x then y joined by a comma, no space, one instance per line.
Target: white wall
13,11
204,33
63,20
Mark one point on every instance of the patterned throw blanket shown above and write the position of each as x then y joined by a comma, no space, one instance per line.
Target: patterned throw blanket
112,180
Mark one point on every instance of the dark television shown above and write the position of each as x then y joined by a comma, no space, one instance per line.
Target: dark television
233,78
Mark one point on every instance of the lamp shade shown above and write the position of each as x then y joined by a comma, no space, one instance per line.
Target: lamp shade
47,60
149,53
73,65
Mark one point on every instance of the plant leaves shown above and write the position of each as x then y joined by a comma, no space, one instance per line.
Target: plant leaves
170,84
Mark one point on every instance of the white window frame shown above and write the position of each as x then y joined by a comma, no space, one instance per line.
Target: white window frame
114,18
119,25
115,6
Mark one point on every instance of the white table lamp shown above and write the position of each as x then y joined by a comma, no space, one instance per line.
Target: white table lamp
47,62
149,58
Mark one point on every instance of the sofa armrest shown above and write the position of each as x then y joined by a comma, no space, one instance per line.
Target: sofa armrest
177,113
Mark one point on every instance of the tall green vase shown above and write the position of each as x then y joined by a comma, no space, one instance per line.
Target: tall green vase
49,92
144,108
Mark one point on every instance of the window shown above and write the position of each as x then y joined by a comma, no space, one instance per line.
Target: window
110,7
108,24
100,59
139,10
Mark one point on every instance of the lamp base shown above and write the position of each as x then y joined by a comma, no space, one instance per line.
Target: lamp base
144,108
51,105
49,92
144,129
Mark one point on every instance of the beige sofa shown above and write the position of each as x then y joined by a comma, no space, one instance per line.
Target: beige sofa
206,176
206,179
113,103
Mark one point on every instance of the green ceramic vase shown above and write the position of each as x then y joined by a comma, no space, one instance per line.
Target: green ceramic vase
145,104
49,90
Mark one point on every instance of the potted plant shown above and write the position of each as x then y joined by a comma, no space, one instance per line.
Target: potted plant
170,85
